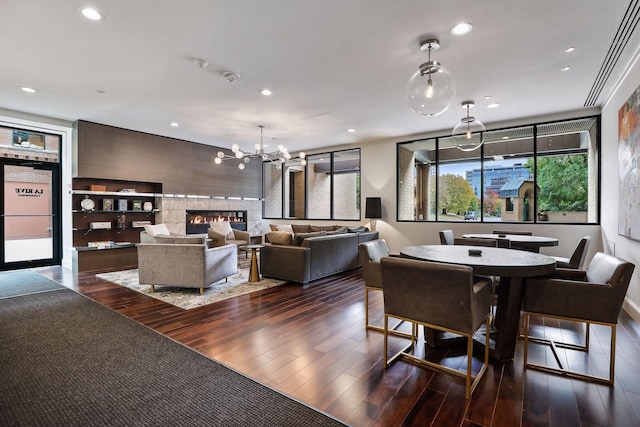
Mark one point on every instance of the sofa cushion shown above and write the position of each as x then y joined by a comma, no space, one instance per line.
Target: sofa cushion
156,230
299,237
280,237
338,230
300,228
360,229
313,228
284,228
222,227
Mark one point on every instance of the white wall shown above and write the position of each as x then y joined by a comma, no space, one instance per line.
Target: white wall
618,245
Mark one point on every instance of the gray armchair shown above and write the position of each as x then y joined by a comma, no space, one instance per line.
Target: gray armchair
592,296
185,265
441,296
446,237
238,238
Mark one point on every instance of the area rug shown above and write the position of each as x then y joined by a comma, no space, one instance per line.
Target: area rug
189,298
66,360
22,282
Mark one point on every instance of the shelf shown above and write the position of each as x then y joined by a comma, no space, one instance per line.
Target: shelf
115,212
107,229
105,248
114,193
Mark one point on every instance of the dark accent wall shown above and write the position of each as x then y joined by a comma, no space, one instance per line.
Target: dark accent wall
183,167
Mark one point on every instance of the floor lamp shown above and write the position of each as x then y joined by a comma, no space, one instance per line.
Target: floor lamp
373,210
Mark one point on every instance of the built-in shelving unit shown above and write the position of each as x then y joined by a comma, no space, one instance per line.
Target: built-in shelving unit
107,218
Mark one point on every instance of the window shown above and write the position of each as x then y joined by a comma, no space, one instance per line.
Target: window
543,172
328,187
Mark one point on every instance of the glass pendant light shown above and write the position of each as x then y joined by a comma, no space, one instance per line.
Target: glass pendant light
468,135
431,89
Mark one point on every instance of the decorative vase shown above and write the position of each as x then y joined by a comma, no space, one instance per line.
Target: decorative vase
148,206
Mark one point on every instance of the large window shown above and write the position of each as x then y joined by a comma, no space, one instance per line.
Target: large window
543,172
327,187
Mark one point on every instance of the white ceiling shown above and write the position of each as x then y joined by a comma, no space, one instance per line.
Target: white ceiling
331,64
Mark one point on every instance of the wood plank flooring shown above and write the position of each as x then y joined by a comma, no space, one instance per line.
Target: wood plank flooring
310,343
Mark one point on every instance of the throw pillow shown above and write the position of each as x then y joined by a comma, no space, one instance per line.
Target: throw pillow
340,230
299,228
322,228
280,238
156,230
360,229
284,227
299,237
223,227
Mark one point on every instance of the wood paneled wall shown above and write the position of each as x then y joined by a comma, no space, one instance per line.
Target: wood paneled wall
183,167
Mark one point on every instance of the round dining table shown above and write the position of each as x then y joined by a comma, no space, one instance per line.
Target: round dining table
512,267
518,241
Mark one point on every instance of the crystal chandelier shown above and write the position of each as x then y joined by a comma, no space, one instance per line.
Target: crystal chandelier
280,156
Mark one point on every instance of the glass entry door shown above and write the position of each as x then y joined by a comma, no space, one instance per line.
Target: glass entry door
30,214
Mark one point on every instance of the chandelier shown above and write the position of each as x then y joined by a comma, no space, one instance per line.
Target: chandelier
280,156
468,134
431,89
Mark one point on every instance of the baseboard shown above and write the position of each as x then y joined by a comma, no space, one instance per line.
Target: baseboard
632,309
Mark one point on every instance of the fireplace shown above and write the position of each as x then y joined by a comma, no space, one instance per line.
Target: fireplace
198,220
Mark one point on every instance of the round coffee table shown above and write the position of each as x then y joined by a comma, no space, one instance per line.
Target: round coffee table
254,271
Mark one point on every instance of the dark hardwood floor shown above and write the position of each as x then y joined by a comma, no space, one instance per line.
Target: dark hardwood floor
310,343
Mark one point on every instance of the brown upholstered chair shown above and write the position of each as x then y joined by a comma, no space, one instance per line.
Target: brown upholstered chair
591,296
446,237
576,261
489,243
441,296
370,254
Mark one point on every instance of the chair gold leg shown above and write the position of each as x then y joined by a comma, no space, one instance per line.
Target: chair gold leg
561,370
153,288
376,328
201,291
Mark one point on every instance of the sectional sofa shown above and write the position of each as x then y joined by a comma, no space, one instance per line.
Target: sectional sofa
312,253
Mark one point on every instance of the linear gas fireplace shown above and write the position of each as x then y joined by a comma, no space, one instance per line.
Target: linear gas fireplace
198,220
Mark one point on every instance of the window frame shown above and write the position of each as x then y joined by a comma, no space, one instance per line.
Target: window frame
536,156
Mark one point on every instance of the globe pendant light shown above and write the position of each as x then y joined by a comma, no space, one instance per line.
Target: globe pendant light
431,89
468,135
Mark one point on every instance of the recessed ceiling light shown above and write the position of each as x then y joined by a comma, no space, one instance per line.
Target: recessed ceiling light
493,105
487,97
174,124
570,49
567,68
461,28
265,92
28,89
505,137
351,130
92,14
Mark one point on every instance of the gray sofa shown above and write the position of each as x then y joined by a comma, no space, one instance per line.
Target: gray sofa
316,257
184,261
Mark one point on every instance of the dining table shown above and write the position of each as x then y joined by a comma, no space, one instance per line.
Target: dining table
511,266
518,241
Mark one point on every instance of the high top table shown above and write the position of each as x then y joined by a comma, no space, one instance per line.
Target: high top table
512,267
530,243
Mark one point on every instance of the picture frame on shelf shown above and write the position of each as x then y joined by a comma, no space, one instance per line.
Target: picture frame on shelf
122,205
107,204
136,205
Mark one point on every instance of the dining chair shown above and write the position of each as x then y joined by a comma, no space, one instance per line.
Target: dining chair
370,254
594,295
472,241
441,296
446,237
577,258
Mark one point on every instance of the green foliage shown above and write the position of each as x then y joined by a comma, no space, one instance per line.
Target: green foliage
456,195
563,182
